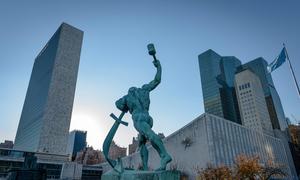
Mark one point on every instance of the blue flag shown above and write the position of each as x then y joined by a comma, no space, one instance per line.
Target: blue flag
278,61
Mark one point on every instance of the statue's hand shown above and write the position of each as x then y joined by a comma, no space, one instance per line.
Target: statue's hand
156,63
121,104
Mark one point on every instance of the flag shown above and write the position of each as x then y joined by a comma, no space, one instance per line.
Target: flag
278,61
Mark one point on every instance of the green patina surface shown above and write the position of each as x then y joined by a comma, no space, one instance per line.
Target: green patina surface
137,103
142,175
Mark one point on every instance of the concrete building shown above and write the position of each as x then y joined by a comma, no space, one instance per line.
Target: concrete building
217,79
90,156
217,141
276,113
76,143
7,144
45,119
116,151
295,134
252,103
133,146
294,131
14,159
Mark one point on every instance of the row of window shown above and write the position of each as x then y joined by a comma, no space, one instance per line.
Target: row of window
244,86
245,93
246,100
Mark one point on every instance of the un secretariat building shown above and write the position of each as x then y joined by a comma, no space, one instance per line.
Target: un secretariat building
46,115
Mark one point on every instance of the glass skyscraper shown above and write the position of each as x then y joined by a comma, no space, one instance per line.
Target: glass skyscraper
46,115
76,143
217,77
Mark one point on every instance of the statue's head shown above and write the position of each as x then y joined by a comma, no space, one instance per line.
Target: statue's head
131,90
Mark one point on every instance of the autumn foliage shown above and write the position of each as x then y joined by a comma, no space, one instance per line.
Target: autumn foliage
245,167
220,172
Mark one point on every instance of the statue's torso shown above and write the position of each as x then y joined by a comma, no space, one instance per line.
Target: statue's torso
138,101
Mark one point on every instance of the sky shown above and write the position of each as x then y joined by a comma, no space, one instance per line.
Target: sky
114,55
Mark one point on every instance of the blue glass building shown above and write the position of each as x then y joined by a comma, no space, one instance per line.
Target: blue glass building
217,78
76,142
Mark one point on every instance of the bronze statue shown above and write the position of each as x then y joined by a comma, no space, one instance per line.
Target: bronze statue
137,103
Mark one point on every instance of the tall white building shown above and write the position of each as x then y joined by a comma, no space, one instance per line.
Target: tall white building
252,103
46,115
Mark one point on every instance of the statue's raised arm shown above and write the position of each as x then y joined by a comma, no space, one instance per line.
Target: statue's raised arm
156,81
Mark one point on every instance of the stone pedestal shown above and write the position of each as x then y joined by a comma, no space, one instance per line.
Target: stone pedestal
142,175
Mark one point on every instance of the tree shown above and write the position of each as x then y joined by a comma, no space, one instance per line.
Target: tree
245,167
215,173
273,170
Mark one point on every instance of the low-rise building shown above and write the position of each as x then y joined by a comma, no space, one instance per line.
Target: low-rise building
217,141
294,131
133,146
90,156
56,165
115,151
7,144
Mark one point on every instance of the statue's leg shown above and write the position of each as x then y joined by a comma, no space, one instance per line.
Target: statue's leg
156,147
143,151
156,141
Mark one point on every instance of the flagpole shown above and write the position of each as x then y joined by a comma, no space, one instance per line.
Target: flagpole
292,71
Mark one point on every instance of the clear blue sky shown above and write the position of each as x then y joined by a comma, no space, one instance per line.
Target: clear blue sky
114,55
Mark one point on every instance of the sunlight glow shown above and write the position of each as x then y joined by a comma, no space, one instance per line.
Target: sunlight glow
90,122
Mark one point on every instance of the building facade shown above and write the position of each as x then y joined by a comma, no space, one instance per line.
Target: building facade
295,134
294,131
133,146
116,151
14,159
45,119
76,143
275,109
90,156
215,141
252,103
56,166
217,79
7,144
